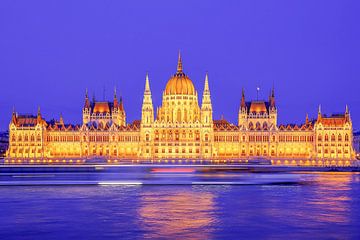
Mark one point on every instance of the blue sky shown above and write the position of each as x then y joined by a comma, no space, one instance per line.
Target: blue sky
51,51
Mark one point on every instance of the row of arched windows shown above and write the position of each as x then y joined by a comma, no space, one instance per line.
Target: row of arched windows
26,138
333,137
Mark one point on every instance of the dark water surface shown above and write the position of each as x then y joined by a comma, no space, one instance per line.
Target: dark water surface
320,206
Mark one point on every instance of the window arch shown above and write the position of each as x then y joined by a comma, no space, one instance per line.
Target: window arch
179,115
339,138
333,137
206,137
265,126
346,137
251,125
319,137
326,137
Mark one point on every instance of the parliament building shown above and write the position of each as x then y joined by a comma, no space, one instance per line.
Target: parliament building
181,130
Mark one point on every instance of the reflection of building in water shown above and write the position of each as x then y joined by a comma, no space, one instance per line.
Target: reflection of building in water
181,128
180,215
331,197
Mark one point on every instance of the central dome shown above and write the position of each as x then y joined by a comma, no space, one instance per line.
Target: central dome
179,83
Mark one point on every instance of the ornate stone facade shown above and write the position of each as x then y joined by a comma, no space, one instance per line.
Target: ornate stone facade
182,130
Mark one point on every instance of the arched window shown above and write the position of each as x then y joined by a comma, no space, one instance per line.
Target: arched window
26,138
258,125
346,137
38,138
197,136
206,137
319,137
147,137
333,137
339,138
326,138
13,139
251,125
265,126
32,138
179,115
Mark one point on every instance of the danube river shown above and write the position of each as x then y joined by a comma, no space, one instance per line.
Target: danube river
179,203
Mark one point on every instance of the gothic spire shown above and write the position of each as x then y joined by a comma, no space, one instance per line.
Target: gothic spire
61,120
179,65
39,118
87,102
243,104
147,84
347,113
206,100
115,99
319,112
13,117
307,119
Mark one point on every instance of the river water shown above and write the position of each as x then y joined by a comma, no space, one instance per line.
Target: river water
207,205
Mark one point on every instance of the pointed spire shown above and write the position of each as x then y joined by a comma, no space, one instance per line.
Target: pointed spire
347,113
206,87
307,119
147,83
319,113
13,117
206,99
243,103
87,102
115,99
179,65
61,120
272,98
39,118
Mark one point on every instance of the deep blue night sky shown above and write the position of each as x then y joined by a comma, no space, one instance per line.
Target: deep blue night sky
50,51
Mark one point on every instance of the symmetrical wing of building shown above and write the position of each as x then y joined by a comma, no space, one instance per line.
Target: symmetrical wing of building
182,129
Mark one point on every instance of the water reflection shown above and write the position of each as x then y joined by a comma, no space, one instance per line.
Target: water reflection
182,214
332,197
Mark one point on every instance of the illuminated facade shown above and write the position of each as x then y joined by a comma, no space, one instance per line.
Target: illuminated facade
181,129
